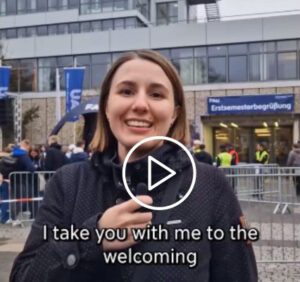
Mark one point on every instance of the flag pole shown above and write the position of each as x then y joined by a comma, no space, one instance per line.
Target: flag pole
57,99
74,123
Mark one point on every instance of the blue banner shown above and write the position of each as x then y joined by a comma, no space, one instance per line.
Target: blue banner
74,83
4,81
251,104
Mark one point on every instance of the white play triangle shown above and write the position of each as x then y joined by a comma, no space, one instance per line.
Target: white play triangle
171,173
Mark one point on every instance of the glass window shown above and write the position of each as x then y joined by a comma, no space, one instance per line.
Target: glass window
2,7
21,32
238,68
66,61
21,6
101,58
96,6
107,25
46,81
200,51
270,67
52,5
287,65
217,69
62,28
164,52
31,5
120,5
289,45
11,33
217,50
256,47
52,29
185,70
162,13
42,30
130,23
31,31
182,53
85,8
62,4
85,27
2,34
255,67
11,7
118,23
41,5
98,74
73,3
237,49
74,28
28,75
107,5
96,26
173,12
83,60
269,46
200,70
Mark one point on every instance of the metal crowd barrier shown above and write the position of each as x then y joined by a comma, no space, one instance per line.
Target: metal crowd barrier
267,195
25,193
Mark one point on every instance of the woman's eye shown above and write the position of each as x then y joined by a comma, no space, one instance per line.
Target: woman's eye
126,92
156,95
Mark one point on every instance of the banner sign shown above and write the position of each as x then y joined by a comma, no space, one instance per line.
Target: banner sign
4,81
251,104
74,84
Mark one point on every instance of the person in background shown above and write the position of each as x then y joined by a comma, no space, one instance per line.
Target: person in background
234,154
223,158
200,154
55,158
21,183
70,150
34,154
294,161
79,155
261,155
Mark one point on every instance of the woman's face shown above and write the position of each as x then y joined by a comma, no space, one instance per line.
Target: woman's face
140,105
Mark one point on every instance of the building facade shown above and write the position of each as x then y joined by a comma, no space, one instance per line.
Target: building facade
257,56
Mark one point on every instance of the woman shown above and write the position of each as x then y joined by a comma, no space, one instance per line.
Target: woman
141,96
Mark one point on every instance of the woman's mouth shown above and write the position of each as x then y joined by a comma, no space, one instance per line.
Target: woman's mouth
138,123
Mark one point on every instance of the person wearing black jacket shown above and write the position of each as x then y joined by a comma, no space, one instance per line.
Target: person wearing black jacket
200,154
141,96
55,158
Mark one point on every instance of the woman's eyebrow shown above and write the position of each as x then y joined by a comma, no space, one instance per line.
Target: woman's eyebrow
158,85
127,82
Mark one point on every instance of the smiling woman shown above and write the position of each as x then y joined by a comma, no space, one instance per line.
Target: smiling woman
141,97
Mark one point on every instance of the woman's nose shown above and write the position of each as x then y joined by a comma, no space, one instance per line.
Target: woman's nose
140,103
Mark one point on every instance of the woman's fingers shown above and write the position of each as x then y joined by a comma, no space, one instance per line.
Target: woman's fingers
131,205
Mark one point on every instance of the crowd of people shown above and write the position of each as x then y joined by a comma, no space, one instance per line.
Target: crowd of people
26,157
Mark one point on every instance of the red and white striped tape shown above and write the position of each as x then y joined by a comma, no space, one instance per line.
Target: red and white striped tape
22,200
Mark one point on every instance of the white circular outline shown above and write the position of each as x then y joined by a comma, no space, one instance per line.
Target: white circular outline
139,201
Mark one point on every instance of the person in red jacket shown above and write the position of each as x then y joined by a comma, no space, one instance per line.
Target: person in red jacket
234,154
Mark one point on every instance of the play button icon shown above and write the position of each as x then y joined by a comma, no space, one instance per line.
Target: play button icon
171,173
167,174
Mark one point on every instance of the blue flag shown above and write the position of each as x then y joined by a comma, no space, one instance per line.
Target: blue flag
4,81
74,83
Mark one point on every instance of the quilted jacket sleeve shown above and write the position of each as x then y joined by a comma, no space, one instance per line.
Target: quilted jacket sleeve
50,260
232,261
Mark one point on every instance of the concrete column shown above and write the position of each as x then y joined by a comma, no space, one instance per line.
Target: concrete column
296,129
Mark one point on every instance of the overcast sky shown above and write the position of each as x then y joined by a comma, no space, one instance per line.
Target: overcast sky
230,8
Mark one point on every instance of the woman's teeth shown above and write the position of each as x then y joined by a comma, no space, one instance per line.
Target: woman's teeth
137,123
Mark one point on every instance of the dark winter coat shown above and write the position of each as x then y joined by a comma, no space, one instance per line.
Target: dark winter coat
204,157
55,158
79,193
79,157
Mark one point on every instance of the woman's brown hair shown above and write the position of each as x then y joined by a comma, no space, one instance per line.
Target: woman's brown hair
103,137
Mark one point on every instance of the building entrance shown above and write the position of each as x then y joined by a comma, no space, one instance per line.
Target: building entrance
243,133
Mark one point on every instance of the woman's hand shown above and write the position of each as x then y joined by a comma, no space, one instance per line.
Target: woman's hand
125,215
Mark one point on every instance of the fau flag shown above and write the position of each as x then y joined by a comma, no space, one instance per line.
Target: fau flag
4,81
74,83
